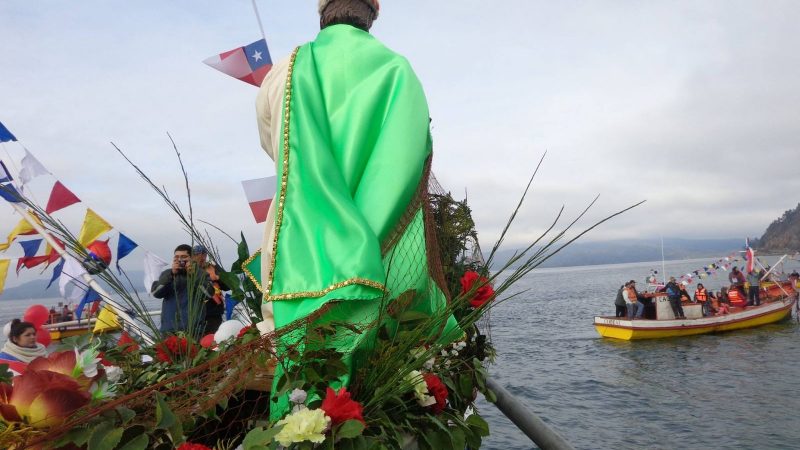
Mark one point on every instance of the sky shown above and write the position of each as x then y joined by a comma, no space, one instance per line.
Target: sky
691,106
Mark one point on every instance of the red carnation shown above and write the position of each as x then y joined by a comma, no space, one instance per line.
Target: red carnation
341,408
438,390
126,343
174,346
482,294
191,446
243,331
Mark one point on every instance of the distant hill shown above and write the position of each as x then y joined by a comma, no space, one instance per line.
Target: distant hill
782,235
634,250
36,289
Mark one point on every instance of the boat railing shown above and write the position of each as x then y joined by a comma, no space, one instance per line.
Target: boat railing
529,423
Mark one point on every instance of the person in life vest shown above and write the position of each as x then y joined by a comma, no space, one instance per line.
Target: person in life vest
635,308
214,304
701,296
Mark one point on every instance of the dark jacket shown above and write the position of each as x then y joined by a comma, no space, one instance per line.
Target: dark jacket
620,301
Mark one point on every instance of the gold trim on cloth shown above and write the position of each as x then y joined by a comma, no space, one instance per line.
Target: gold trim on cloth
287,95
249,274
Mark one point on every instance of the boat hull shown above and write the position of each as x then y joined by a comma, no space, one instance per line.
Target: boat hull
624,329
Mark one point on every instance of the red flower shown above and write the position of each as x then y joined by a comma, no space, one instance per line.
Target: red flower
191,446
341,408
42,398
438,390
243,331
103,360
127,343
482,294
62,363
173,347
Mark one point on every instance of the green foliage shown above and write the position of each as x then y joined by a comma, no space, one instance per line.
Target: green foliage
5,374
242,288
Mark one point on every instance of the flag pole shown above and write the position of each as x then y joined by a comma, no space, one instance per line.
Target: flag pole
116,307
258,18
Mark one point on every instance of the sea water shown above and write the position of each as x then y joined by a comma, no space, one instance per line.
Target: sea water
731,390
723,391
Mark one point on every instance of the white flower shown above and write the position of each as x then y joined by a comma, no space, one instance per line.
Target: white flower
298,396
420,388
113,373
86,363
102,390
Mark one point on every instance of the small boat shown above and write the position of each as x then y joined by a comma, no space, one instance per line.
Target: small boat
62,330
778,301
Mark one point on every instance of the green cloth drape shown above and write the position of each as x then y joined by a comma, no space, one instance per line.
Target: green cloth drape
358,141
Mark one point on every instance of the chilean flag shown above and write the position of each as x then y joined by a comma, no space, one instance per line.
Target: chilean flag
259,193
249,63
749,255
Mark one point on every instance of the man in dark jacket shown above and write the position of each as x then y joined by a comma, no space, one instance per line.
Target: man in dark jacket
172,288
674,294
622,310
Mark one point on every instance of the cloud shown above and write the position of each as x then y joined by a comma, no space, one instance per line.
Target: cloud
690,105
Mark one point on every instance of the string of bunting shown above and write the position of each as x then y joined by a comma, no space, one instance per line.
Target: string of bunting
92,229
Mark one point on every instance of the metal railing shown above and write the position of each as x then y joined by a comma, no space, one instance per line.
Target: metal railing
529,423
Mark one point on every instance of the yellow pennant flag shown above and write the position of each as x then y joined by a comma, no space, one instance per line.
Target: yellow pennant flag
22,228
4,263
93,227
106,321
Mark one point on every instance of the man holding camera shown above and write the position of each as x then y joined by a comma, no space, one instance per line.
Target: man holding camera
172,287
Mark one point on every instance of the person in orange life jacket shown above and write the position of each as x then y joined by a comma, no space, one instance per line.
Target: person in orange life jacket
214,305
635,309
701,296
648,308
674,295
754,280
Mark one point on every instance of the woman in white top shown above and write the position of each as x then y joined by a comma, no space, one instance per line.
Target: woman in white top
21,346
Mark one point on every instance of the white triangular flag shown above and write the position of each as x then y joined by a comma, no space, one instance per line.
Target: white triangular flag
153,266
31,168
71,279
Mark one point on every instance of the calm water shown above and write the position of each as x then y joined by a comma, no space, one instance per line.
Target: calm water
735,390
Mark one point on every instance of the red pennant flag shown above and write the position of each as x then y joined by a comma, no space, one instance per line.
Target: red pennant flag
60,198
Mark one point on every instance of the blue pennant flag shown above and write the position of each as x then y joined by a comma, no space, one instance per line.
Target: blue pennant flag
30,247
56,272
5,135
230,303
7,190
90,296
124,247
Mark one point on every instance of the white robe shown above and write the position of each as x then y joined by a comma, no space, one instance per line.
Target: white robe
269,110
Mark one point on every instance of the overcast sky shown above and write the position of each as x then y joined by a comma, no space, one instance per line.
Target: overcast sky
692,106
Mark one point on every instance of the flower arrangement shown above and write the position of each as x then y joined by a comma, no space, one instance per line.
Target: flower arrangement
417,375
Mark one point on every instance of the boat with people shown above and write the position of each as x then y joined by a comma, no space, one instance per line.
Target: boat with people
777,299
